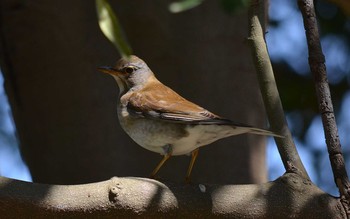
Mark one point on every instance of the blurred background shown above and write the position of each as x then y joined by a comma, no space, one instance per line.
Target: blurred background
288,50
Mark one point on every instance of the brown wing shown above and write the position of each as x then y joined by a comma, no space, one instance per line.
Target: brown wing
160,102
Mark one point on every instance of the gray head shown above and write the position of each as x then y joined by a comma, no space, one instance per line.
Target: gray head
129,72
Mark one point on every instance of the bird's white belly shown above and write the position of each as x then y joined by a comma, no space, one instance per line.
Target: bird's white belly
153,135
200,135
156,136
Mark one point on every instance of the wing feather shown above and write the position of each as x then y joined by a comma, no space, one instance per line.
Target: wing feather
160,102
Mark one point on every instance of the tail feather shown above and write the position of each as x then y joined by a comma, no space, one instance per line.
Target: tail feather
258,131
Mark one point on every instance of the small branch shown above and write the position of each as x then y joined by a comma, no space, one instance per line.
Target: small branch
269,91
318,69
290,196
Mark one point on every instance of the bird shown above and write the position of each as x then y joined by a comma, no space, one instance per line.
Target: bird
160,120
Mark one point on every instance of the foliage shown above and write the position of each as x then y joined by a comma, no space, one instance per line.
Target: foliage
111,27
184,5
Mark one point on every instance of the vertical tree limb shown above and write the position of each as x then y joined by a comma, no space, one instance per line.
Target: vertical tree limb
273,105
318,69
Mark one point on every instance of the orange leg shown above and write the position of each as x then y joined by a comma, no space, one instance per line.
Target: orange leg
190,167
155,171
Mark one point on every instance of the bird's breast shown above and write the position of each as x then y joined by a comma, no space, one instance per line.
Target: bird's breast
151,134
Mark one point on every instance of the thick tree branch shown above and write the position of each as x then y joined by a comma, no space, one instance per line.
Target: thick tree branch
269,91
289,196
318,69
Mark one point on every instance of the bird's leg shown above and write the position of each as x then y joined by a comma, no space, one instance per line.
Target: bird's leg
194,154
168,151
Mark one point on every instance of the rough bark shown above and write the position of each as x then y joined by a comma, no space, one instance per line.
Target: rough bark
319,72
290,196
65,110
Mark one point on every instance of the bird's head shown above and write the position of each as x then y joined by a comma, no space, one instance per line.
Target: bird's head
131,72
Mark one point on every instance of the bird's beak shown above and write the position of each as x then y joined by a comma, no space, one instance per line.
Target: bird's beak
109,70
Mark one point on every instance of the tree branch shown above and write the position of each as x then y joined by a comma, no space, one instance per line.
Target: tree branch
269,91
287,197
318,69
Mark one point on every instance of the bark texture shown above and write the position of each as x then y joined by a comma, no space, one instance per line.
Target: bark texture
319,72
65,110
290,196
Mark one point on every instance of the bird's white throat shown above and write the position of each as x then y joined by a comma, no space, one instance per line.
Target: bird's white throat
121,84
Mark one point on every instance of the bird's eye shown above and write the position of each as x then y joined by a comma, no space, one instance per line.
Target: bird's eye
129,69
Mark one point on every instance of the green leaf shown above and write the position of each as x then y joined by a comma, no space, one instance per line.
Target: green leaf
183,5
111,27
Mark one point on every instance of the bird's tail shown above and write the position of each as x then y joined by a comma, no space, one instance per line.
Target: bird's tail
258,131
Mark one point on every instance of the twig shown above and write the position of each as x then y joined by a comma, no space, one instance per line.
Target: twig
273,105
318,69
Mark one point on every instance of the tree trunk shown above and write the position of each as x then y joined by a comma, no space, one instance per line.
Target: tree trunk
65,110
